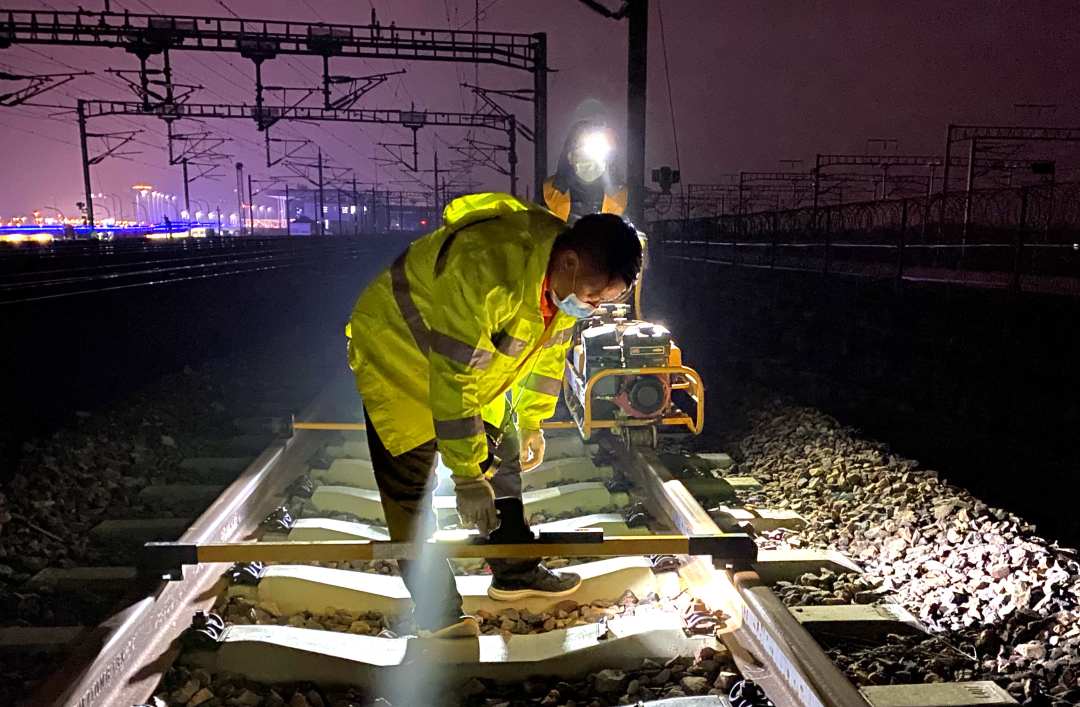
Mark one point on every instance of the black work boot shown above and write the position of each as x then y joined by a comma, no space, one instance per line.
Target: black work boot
538,582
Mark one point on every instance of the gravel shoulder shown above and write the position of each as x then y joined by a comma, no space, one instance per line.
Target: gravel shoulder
96,468
1000,602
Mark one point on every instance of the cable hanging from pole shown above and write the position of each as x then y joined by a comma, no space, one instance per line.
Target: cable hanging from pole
671,103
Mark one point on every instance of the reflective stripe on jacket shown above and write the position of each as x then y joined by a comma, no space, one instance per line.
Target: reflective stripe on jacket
438,340
559,201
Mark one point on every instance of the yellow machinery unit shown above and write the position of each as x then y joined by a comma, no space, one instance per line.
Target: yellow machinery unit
620,376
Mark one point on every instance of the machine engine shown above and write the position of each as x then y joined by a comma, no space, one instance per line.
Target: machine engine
628,344
609,351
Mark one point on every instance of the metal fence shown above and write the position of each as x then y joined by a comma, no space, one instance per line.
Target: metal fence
1026,238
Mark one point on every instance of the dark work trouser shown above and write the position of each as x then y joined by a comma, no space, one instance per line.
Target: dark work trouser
405,485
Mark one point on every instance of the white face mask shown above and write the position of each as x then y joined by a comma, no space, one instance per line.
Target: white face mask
572,304
589,171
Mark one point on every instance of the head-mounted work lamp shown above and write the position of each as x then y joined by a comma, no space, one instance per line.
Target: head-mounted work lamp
595,145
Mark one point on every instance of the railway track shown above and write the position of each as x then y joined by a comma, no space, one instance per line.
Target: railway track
640,629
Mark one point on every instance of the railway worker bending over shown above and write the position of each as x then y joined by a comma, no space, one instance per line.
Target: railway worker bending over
459,348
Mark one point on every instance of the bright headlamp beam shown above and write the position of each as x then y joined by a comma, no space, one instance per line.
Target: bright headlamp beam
595,146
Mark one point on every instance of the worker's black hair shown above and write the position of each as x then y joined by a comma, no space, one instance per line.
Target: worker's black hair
609,242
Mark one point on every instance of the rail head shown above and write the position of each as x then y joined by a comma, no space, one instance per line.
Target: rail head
768,644
122,661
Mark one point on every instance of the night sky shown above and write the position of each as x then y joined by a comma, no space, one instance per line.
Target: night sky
753,83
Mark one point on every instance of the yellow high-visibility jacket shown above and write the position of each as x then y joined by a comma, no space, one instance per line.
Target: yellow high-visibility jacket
559,201
438,340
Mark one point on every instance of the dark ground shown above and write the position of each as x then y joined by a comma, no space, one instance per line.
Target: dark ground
83,352
979,384
976,384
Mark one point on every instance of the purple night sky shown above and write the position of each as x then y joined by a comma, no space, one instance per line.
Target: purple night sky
753,83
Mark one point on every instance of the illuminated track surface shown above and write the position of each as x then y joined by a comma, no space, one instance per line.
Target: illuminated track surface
286,608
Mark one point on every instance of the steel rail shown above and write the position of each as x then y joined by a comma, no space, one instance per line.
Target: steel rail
162,268
769,645
122,661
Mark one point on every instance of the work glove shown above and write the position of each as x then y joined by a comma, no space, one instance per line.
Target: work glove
532,448
476,503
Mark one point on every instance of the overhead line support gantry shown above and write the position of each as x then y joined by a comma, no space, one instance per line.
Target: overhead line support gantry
261,40
267,115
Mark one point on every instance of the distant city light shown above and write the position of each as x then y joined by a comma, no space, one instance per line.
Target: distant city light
26,238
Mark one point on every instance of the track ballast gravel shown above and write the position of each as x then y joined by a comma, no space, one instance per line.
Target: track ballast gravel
1001,602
